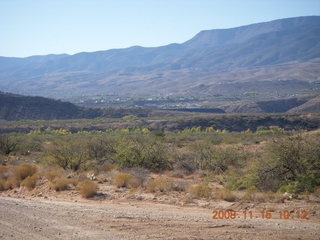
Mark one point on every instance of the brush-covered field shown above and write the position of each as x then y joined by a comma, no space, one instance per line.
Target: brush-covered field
193,170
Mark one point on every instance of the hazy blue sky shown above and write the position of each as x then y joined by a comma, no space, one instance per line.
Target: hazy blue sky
34,27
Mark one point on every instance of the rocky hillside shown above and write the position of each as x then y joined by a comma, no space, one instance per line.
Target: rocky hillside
295,104
16,107
283,53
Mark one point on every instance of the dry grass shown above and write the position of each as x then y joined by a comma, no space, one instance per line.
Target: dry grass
30,182
252,194
122,179
74,181
272,197
3,172
107,167
52,174
134,182
87,188
225,194
200,191
3,185
12,182
24,170
187,200
61,184
161,185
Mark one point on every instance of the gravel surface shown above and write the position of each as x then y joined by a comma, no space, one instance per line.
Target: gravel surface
37,218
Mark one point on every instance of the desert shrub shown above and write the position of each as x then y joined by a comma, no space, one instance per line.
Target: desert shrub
158,133
142,152
216,139
179,186
24,170
293,162
237,179
270,196
208,157
3,185
101,149
30,182
69,154
139,172
4,170
3,159
53,173
251,194
61,184
225,194
74,181
27,144
7,144
122,179
159,185
134,182
317,191
87,188
106,167
200,191
12,182
184,165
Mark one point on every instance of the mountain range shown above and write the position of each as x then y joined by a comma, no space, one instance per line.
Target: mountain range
278,58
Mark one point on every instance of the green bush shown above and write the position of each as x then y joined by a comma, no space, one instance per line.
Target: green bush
7,144
142,152
101,149
292,162
69,154
239,180
208,157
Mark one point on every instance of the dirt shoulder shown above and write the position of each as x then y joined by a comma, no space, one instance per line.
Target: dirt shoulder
38,218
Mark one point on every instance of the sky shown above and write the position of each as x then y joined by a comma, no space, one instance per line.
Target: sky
40,27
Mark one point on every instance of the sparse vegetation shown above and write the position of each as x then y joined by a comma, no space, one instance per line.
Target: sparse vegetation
159,185
122,179
61,184
142,152
292,165
200,191
224,194
30,182
3,185
53,173
7,144
87,188
24,170
270,161
69,154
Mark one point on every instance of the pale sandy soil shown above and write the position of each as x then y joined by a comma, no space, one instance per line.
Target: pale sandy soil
62,218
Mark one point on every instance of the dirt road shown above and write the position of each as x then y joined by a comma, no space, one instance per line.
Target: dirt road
52,219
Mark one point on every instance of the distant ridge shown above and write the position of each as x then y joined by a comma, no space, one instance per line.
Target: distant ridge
17,107
280,50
